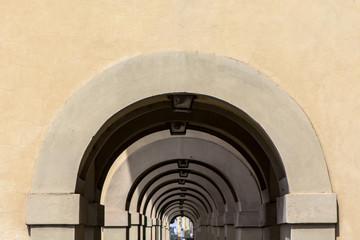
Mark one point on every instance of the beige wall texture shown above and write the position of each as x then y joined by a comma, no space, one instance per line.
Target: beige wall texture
48,49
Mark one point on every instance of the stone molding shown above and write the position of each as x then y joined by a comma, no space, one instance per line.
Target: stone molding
56,209
161,73
307,208
310,202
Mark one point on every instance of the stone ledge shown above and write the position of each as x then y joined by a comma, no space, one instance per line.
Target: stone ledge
308,231
56,233
307,208
56,209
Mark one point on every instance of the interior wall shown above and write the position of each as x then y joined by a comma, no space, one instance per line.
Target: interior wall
49,49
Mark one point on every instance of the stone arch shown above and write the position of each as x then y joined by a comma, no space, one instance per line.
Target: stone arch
226,89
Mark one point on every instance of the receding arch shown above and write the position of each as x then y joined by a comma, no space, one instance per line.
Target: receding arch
163,203
148,185
189,210
184,213
163,163
207,199
264,116
141,159
138,179
184,201
171,182
196,212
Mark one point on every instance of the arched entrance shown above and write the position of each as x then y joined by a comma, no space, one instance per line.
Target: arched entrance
169,132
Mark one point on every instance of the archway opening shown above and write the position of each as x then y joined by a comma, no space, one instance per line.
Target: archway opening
172,132
209,158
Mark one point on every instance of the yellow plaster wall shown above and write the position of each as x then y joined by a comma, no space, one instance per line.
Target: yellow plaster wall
48,49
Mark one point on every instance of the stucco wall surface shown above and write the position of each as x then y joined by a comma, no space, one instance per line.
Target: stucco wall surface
48,49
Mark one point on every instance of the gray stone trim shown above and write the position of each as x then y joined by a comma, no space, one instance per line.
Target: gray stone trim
159,73
56,209
307,182
307,208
